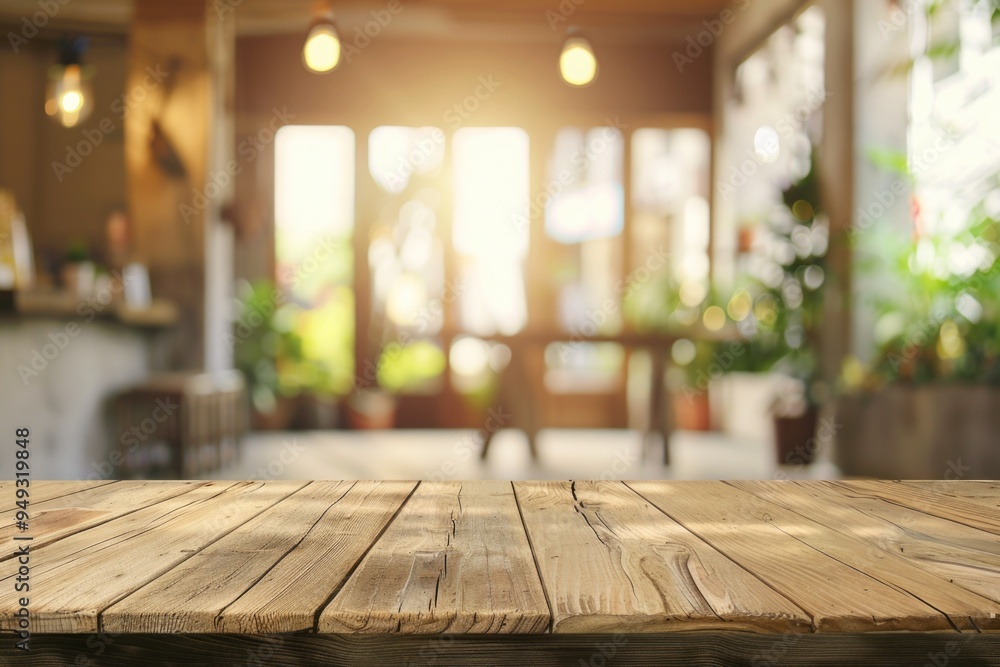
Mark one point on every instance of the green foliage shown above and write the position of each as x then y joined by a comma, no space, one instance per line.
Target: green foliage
410,367
78,252
939,320
279,346
787,293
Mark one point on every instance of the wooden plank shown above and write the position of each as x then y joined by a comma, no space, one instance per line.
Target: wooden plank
672,649
45,490
290,596
973,490
967,556
67,514
611,562
75,578
868,549
837,596
455,560
960,510
297,551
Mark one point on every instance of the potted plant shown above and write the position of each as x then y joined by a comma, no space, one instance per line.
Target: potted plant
260,344
927,404
78,270
689,384
783,321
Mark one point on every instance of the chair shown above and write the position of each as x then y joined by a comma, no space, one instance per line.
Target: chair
200,416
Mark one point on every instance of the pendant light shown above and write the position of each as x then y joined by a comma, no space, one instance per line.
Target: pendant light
577,63
321,51
68,96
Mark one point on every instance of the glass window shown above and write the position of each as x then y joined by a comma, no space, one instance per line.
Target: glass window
670,217
314,220
489,232
585,215
406,256
585,185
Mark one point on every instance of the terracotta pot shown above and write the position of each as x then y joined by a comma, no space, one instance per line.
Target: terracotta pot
795,437
745,237
367,410
692,412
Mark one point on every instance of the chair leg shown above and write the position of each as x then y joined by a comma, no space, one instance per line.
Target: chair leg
660,420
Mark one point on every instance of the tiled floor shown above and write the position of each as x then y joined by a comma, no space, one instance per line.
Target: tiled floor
565,454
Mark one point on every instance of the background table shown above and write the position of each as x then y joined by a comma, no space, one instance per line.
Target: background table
536,573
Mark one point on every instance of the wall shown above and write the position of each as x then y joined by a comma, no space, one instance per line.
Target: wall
75,208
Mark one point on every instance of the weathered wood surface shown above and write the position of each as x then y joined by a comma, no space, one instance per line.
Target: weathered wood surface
356,559
456,560
612,562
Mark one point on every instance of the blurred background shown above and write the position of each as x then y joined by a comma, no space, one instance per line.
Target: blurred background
461,239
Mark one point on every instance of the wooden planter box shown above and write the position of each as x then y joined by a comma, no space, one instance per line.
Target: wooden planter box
923,432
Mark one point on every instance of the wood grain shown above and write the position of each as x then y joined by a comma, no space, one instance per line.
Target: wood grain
76,578
67,514
454,560
837,596
205,584
611,562
864,543
44,490
973,491
382,560
960,510
290,594
958,553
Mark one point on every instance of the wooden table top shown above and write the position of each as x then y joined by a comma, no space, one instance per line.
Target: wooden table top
396,558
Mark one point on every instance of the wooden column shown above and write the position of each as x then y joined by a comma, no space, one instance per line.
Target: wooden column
178,143
836,181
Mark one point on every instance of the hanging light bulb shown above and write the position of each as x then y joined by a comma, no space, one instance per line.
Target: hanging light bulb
577,62
68,96
321,52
